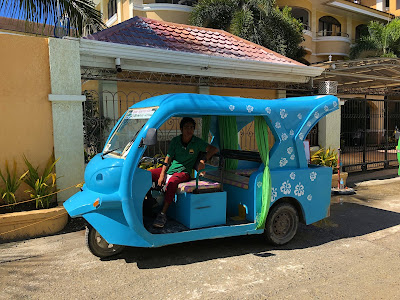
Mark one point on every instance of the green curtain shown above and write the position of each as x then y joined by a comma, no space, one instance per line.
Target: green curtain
228,134
205,127
261,131
398,155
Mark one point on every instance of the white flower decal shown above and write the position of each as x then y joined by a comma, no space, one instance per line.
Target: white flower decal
301,136
231,107
326,108
309,197
274,194
299,190
316,115
292,175
292,157
313,175
299,116
309,124
283,162
283,113
334,103
259,184
268,110
286,187
249,108
290,150
291,132
284,136
277,125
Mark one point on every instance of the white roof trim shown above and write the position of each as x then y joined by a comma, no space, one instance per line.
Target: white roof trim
360,10
162,6
135,58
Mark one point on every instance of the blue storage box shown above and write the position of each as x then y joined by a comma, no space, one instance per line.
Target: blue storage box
199,210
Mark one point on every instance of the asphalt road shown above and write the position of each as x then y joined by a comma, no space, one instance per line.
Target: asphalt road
354,254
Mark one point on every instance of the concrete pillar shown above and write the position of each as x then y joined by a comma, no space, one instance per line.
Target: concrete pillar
380,5
280,94
66,101
349,29
329,130
205,90
314,23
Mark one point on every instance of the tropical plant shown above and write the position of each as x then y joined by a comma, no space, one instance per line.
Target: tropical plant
11,184
325,157
258,21
382,40
82,14
42,186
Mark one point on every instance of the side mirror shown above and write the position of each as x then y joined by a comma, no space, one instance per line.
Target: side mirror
150,139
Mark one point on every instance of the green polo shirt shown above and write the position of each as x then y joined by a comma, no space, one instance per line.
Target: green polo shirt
184,158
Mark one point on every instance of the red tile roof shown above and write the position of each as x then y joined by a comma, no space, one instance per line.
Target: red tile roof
145,32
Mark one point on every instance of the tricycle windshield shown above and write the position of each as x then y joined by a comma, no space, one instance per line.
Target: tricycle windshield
126,132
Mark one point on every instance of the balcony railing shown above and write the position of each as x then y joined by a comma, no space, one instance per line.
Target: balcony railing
181,2
306,27
332,33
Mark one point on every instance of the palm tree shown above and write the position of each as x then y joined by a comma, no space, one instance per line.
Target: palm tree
258,21
82,14
382,40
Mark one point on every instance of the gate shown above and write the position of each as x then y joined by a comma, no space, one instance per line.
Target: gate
367,138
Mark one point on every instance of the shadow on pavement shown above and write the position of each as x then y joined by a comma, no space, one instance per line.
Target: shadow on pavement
346,220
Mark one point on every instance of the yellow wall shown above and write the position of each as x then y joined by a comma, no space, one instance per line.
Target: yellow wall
25,111
295,3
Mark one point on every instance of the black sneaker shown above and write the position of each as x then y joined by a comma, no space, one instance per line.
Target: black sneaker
160,221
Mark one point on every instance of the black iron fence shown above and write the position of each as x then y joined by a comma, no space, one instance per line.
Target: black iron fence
367,137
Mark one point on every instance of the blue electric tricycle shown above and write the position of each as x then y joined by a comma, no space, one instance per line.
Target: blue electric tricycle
242,192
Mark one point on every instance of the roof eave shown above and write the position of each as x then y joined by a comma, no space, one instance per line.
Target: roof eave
146,59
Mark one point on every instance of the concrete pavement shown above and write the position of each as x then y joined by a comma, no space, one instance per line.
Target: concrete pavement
354,254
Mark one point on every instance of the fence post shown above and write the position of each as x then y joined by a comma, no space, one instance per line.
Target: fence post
66,99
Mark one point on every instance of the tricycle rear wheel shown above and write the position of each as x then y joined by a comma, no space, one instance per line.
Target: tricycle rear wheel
281,225
99,246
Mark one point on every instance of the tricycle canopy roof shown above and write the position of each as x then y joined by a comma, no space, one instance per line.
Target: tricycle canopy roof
290,119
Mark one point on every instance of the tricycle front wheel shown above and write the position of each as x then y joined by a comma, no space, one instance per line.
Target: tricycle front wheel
99,246
281,225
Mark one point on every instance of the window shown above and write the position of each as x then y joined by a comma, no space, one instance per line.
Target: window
112,8
361,30
301,15
329,26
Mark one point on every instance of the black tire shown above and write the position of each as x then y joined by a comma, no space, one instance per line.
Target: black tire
281,225
99,246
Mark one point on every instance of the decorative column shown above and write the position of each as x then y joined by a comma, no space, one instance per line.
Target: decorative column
66,101
329,130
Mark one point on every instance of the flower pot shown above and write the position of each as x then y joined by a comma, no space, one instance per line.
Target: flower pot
29,224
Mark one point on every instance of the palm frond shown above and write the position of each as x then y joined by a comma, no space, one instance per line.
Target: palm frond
83,16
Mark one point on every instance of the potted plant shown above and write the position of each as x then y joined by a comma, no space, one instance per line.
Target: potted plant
329,158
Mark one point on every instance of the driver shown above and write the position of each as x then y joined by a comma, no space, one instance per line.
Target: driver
181,156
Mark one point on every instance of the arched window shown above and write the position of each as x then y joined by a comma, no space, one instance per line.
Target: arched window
112,8
302,15
329,26
361,30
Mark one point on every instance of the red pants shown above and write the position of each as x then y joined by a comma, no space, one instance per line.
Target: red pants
172,184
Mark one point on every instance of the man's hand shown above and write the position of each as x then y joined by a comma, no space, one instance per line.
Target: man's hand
201,166
161,180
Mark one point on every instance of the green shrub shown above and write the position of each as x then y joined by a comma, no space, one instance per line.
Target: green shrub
41,185
11,184
325,157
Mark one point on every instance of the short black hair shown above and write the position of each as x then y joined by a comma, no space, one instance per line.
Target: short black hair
186,120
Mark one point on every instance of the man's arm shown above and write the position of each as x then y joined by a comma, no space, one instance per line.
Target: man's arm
211,150
161,180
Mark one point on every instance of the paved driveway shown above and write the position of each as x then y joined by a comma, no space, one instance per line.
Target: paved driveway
355,254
